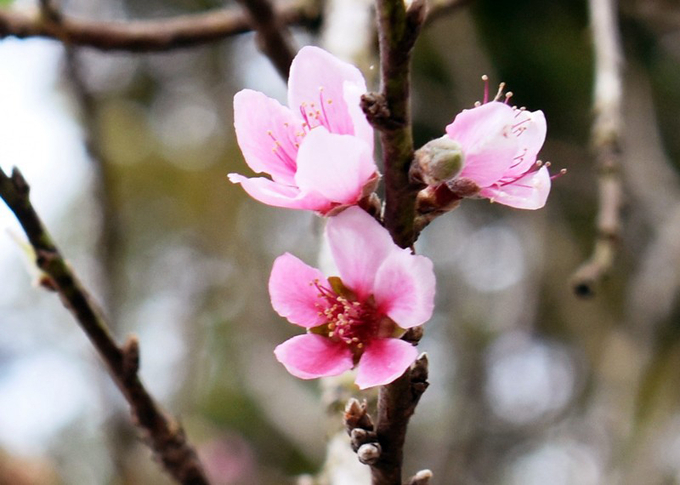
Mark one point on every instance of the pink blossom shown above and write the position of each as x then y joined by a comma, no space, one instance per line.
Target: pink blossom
319,151
353,319
500,144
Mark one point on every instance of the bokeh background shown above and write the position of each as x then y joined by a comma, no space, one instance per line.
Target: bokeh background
128,155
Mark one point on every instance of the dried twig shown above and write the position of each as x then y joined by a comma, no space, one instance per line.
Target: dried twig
163,433
606,138
273,36
145,35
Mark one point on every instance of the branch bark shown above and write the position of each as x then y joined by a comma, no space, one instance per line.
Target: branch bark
164,434
606,140
390,112
145,35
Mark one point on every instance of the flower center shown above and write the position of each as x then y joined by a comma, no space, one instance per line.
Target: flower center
348,320
314,113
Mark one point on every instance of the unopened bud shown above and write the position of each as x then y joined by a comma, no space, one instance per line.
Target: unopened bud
439,160
369,453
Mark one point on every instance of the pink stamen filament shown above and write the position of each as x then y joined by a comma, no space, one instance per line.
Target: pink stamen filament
282,153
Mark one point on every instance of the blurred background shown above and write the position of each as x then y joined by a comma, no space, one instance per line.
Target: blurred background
128,155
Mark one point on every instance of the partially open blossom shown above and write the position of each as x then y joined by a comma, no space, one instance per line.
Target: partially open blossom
354,318
318,151
499,145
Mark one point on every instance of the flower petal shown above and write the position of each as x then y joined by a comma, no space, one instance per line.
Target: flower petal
383,361
485,133
280,195
528,192
310,356
336,166
359,245
267,134
317,81
530,141
404,289
362,128
292,291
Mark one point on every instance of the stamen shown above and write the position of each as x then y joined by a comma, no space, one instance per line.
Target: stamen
559,174
508,95
326,121
499,94
485,78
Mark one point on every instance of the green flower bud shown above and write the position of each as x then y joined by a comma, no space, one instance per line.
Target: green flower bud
439,160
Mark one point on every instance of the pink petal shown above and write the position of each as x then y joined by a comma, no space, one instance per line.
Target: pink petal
310,356
485,133
280,195
362,128
530,141
317,80
528,192
534,136
293,293
336,166
359,245
260,124
404,288
383,361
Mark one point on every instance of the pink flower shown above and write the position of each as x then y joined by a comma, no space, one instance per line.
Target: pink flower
354,319
318,152
500,145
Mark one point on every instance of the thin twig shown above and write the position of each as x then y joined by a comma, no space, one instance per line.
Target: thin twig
164,434
272,35
390,112
397,402
145,35
606,140
166,34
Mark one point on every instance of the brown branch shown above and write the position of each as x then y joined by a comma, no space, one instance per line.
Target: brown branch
390,112
164,434
144,35
606,140
273,37
396,404
380,445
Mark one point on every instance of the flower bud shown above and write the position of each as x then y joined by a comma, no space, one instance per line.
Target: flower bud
439,160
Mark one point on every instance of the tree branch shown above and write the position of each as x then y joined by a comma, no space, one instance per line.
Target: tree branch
145,35
390,112
164,435
606,140
272,35
397,402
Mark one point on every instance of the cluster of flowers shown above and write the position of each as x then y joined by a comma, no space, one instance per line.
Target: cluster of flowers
318,153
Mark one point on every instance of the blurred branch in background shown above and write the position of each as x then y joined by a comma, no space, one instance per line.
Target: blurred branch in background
178,32
165,435
146,35
273,37
606,141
